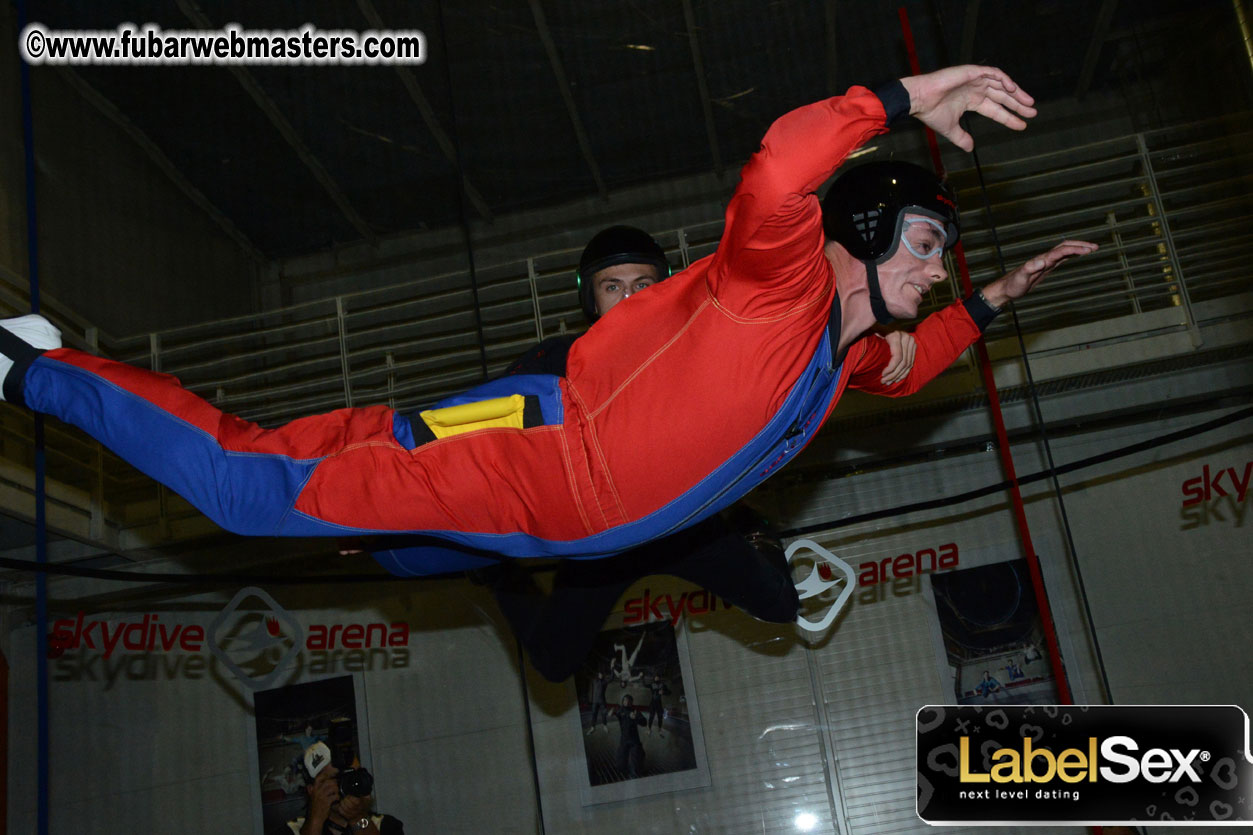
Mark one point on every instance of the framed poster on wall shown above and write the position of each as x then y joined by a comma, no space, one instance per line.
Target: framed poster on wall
290,719
638,722
993,635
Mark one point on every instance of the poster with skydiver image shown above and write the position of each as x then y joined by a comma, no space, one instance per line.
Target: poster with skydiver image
638,719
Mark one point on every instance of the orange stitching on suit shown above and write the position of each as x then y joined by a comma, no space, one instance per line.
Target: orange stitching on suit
591,430
791,311
358,445
613,488
574,487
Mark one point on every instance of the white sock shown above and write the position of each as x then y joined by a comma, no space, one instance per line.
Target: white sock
35,331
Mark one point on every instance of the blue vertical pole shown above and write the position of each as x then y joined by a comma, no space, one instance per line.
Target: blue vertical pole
41,537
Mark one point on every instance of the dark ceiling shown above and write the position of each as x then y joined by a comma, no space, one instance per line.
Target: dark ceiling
548,100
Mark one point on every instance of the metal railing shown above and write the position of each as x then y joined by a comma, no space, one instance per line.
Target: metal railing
1171,208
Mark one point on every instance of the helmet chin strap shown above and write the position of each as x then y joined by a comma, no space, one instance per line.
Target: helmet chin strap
877,305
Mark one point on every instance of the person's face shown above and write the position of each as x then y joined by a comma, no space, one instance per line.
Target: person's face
613,284
916,265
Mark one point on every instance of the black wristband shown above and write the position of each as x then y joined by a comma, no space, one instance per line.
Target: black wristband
980,310
895,100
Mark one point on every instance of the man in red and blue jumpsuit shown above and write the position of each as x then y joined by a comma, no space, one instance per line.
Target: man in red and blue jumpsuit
652,430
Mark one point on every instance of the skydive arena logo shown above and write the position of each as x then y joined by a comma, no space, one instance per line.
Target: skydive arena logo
256,646
821,579
254,637
1176,765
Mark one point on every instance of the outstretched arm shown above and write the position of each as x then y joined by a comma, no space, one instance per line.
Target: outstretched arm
939,99
942,336
770,256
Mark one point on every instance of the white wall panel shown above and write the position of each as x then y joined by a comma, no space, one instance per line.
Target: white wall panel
789,729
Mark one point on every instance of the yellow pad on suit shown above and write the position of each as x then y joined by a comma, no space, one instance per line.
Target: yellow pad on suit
499,412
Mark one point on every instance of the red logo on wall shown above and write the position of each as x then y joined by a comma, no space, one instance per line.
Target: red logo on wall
258,642
1214,484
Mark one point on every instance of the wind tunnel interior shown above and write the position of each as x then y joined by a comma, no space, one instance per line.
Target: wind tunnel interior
292,239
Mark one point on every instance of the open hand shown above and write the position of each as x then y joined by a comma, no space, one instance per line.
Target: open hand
902,346
939,99
1018,283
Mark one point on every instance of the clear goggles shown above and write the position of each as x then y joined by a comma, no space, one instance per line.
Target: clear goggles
924,237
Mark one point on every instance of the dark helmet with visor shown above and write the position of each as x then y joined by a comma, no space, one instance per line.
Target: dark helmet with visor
616,245
865,208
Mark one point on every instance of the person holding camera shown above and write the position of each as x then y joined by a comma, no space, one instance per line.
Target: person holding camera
340,802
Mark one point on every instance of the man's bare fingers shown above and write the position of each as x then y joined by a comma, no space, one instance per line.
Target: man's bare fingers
998,112
1040,266
1010,102
1064,250
960,138
894,357
997,79
901,360
1021,96
906,365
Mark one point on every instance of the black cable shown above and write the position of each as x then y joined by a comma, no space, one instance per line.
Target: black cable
295,580
1051,472
1034,398
462,220
222,579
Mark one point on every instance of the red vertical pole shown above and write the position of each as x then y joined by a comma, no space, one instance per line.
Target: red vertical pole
4,743
998,421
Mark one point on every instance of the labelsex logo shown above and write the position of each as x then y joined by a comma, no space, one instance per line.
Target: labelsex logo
1040,765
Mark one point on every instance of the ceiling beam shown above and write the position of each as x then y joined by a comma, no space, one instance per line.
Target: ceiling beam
563,85
969,25
246,80
702,85
442,139
162,162
1100,32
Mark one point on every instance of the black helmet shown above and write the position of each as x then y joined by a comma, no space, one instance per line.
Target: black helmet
616,245
864,208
